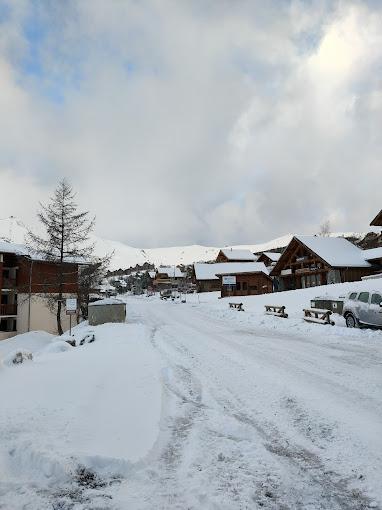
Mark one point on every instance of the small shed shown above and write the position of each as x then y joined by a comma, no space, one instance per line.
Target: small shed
106,310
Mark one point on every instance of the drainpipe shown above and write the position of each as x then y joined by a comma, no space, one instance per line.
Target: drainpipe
30,292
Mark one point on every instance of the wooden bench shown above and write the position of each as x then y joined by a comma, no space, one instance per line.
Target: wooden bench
238,306
318,316
278,311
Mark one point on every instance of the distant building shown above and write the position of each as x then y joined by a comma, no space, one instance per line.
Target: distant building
249,279
269,258
168,277
232,255
205,276
25,282
309,261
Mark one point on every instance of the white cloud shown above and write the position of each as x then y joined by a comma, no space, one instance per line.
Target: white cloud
203,122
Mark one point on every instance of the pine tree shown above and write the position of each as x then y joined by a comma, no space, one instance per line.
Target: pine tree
66,239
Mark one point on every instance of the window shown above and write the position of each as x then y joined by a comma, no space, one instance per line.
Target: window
253,287
245,286
376,299
238,286
364,297
353,296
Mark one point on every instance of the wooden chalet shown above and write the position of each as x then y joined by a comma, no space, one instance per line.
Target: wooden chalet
251,279
269,258
309,261
168,277
232,255
374,257
377,221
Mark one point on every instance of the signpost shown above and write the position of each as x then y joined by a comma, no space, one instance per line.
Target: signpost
71,309
229,281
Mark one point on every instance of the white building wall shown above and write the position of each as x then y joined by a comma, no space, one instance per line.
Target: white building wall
42,319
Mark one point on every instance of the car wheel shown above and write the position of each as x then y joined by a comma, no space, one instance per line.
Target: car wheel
350,321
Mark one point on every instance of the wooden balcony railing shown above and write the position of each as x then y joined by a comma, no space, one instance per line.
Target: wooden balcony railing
8,283
8,310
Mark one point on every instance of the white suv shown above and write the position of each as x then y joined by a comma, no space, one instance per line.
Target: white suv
363,309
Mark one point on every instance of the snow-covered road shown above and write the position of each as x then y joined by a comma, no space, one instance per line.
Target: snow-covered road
257,419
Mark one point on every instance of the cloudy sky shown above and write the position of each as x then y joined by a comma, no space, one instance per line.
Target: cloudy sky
195,121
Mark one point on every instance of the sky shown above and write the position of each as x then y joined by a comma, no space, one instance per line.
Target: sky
194,122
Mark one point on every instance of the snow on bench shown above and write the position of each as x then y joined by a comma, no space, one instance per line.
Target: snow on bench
278,311
238,306
318,316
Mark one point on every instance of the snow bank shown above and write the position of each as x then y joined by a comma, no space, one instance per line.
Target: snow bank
295,301
96,405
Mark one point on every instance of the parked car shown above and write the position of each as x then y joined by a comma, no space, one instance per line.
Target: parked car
363,309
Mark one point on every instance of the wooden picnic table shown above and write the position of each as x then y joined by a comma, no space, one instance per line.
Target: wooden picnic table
276,310
238,306
318,316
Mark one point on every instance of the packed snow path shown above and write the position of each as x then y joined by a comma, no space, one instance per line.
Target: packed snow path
255,419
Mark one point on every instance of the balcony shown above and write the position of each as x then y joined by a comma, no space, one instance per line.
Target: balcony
9,283
8,310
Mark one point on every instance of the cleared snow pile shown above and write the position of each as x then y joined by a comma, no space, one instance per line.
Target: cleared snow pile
58,346
78,416
18,357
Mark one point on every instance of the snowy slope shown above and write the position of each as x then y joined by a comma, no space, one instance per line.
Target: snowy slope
126,256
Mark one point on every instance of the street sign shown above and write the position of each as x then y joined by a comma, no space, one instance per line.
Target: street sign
71,306
229,280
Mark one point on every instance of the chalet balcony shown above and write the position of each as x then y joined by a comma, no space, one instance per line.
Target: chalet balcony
9,283
7,310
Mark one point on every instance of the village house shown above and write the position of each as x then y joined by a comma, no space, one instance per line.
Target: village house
168,277
232,255
25,283
248,279
269,258
309,261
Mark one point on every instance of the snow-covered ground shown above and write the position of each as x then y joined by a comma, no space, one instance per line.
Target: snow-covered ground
94,407
253,411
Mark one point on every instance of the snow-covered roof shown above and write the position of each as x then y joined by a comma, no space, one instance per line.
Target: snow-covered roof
107,301
272,255
336,251
205,271
373,253
17,249
232,254
171,271
243,267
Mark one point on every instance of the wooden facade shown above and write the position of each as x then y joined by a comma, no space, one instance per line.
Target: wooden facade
247,284
299,267
20,276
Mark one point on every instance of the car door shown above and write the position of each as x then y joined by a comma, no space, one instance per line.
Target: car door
376,309
362,307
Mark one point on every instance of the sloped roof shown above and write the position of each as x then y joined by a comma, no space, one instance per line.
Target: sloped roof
377,221
17,249
243,267
171,271
336,251
271,255
205,271
245,255
373,253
